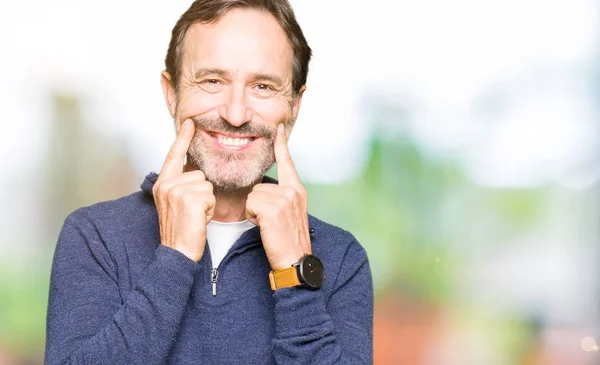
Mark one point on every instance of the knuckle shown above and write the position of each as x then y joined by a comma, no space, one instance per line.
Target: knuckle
186,196
162,189
209,201
282,203
280,214
200,201
258,187
202,197
207,186
289,193
190,202
198,174
175,193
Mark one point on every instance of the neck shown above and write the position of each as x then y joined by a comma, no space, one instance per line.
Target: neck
231,206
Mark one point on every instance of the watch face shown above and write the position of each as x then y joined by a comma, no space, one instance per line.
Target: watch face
312,273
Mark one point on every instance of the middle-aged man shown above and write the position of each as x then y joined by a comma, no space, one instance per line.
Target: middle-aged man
212,262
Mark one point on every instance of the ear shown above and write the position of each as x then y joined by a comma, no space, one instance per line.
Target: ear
297,101
169,92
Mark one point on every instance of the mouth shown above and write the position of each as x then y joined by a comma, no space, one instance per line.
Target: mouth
231,141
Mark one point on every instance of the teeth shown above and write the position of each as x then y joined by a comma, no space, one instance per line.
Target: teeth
233,141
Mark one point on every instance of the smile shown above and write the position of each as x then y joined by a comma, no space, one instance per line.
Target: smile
231,142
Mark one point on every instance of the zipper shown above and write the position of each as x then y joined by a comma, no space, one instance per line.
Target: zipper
214,276
214,273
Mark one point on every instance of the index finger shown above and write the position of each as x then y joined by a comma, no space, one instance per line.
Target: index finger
286,171
174,161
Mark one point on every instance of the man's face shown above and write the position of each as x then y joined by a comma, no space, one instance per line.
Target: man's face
236,85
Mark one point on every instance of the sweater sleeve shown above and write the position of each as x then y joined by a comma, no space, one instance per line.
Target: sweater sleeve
310,331
88,322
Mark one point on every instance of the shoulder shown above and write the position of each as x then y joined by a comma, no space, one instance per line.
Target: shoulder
110,227
128,211
103,233
333,241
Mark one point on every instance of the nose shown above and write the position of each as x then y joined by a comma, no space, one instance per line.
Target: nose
236,110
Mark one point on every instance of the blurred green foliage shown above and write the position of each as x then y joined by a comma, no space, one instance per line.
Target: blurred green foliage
393,209
23,301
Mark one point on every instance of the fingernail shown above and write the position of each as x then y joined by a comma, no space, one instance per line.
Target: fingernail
187,123
280,128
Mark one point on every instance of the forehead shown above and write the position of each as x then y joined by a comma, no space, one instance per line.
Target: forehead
241,41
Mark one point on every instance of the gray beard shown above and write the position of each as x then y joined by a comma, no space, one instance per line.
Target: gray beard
231,171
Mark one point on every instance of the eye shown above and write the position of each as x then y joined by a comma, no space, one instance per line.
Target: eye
264,89
212,85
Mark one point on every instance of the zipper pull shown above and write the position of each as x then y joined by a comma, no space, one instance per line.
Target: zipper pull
214,275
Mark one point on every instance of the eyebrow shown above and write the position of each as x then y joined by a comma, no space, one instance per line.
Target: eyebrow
266,77
203,72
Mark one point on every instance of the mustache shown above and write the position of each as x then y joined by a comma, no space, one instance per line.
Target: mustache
221,125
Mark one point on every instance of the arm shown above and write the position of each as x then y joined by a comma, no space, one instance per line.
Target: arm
90,323
309,331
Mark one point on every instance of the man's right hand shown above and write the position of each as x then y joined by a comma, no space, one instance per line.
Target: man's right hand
184,200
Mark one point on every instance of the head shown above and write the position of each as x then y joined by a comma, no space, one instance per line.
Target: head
237,68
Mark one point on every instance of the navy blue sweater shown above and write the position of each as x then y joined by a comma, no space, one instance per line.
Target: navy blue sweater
119,297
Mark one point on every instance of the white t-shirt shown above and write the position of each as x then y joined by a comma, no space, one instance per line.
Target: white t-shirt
221,236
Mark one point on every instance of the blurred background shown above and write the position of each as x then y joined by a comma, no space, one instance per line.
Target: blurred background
458,140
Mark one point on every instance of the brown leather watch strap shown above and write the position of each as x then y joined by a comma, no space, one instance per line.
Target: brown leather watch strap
284,278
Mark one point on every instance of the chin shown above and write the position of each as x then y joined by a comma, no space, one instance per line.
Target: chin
233,175
231,171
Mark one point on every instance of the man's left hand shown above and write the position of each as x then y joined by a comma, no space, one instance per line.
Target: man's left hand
281,211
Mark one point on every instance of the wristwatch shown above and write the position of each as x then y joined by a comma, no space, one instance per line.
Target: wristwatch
308,272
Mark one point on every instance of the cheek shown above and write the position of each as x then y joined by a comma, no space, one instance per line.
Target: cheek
272,112
196,102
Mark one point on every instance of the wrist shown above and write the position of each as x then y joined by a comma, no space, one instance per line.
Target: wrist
308,272
286,262
192,255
